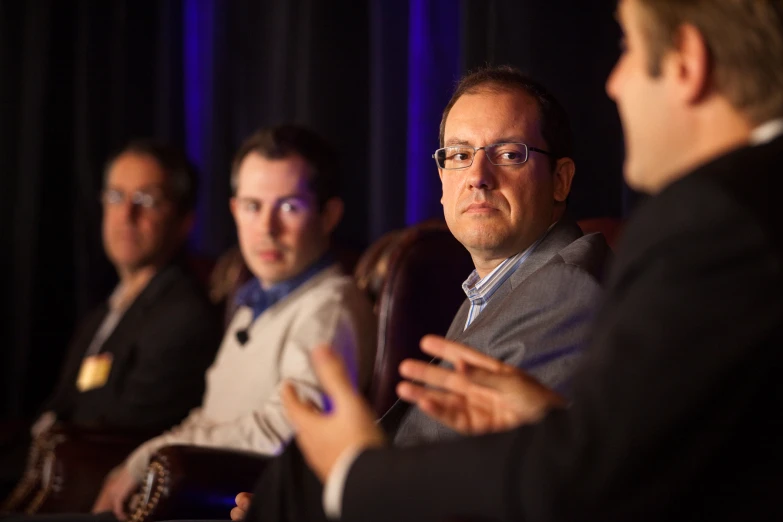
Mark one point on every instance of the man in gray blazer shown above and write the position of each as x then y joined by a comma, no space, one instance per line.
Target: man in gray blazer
538,320
506,171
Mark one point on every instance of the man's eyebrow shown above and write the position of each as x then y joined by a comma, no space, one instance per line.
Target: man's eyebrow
149,186
296,195
281,199
504,139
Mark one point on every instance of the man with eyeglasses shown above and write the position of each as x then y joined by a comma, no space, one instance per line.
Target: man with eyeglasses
137,362
506,171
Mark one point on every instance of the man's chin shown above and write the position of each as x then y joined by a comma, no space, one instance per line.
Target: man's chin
132,264
270,276
483,243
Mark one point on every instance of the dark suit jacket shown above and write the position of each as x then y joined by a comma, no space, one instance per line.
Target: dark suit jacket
162,347
539,319
678,411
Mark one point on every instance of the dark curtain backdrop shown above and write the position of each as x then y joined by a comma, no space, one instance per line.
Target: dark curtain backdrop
78,78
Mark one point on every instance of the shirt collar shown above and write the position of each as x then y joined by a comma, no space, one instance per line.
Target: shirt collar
258,298
766,132
481,288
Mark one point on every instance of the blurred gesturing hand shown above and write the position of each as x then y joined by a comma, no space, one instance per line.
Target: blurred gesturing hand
480,395
323,437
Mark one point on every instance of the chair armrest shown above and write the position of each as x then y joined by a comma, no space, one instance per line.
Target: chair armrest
75,464
196,482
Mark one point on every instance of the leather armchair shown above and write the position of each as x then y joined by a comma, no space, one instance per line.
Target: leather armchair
66,468
423,271
27,487
195,482
611,228
414,277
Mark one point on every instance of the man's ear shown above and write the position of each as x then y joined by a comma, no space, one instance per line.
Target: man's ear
440,175
689,65
563,177
331,214
232,205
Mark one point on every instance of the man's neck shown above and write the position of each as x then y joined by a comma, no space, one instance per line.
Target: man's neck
485,267
712,134
132,283
486,264
310,266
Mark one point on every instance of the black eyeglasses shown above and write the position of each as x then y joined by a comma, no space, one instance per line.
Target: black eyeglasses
461,156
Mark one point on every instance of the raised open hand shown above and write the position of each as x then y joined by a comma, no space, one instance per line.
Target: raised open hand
479,395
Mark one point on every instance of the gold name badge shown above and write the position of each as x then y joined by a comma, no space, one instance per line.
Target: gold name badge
94,372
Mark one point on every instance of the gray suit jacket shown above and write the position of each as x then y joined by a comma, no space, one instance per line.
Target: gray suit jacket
538,320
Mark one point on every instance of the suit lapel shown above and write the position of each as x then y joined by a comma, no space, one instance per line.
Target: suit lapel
124,335
458,324
565,232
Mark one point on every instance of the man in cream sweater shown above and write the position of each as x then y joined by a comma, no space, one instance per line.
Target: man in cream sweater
285,206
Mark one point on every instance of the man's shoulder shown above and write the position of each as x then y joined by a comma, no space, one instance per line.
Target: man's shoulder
330,287
175,298
584,256
728,196
589,253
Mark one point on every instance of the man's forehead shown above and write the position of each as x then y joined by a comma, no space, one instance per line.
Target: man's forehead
507,115
137,172
287,167
139,187
264,178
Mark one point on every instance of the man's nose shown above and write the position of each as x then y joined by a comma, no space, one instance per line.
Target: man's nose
481,174
268,223
129,211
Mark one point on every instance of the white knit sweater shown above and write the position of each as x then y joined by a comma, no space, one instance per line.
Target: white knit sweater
242,407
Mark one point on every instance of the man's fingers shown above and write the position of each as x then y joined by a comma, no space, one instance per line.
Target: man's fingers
101,505
453,352
446,407
332,374
434,375
119,508
237,514
495,380
243,500
414,393
449,411
410,392
301,413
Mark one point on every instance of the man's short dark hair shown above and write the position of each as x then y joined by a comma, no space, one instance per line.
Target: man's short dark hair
553,119
181,174
285,141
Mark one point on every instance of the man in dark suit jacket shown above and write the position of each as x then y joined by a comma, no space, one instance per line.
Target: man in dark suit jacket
138,361
677,409
161,348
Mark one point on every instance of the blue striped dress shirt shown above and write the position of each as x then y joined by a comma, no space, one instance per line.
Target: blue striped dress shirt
480,290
